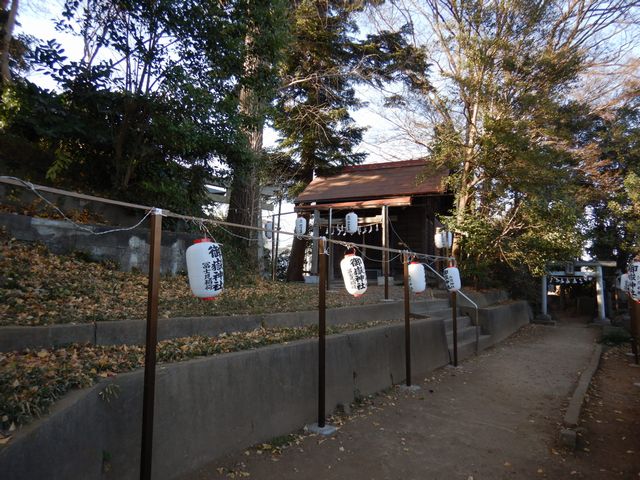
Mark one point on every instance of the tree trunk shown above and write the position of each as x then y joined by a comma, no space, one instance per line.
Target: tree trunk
244,202
466,184
296,259
5,73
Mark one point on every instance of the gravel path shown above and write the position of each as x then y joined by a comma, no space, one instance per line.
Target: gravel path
497,416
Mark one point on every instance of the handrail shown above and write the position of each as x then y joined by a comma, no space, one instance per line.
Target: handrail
476,323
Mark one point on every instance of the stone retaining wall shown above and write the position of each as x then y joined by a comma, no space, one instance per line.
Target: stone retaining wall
132,332
128,249
210,407
502,320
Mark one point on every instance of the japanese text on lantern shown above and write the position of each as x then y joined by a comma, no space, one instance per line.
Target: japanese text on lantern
634,280
213,270
357,274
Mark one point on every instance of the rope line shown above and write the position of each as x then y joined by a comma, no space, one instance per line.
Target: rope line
33,188
199,220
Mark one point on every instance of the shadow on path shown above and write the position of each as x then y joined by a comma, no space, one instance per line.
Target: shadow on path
497,416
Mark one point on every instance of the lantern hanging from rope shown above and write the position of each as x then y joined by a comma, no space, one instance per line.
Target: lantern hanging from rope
624,282
417,281
353,273
452,279
351,222
301,226
204,268
443,238
448,239
634,280
268,230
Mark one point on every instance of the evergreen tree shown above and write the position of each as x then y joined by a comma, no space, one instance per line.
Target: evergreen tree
265,30
501,119
143,113
324,62
612,180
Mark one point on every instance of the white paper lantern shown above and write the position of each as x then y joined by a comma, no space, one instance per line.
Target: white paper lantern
449,239
205,270
443,239
351,222
301,226
417,280
268,230
354,274
623,282
452,279
634,280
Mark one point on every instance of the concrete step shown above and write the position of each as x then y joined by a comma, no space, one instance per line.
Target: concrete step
467,348
426,307
463,322
464,334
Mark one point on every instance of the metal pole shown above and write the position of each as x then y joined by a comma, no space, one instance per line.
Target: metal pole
314,243
407,322
635,317
274,242
385,253
330,250
278,230
600,293
544,295
454,317
150,348
322,310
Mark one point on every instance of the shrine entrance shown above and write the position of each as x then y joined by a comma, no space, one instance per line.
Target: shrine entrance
576,274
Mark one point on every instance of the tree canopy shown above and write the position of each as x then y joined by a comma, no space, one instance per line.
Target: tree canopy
533,107
505,117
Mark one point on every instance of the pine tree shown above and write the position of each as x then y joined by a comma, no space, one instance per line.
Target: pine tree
324,63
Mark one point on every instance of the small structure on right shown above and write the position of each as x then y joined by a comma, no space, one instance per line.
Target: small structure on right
572,273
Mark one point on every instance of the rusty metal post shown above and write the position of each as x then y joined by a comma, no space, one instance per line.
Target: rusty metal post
329,249
386,270
155,232
454,317
322,311
634,312
407,321
275,239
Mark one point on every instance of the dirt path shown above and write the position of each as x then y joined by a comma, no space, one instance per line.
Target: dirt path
496,417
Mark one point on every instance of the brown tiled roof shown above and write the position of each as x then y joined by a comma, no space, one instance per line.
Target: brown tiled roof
377,180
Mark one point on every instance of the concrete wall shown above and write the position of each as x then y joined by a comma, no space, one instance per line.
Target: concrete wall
500,321
210,407
129,249
132,332
482,299
112,214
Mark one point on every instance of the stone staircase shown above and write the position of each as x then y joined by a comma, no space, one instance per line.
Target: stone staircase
440,308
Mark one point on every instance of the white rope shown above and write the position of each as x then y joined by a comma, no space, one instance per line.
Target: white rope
219,224
84,228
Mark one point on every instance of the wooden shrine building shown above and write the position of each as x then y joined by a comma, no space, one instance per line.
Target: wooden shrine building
396,204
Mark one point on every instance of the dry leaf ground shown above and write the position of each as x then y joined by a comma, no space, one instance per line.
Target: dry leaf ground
39,288
609,444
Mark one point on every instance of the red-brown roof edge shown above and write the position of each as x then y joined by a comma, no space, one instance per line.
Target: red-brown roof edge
379,166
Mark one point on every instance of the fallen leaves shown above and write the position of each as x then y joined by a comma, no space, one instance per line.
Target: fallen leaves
31,381
39,288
